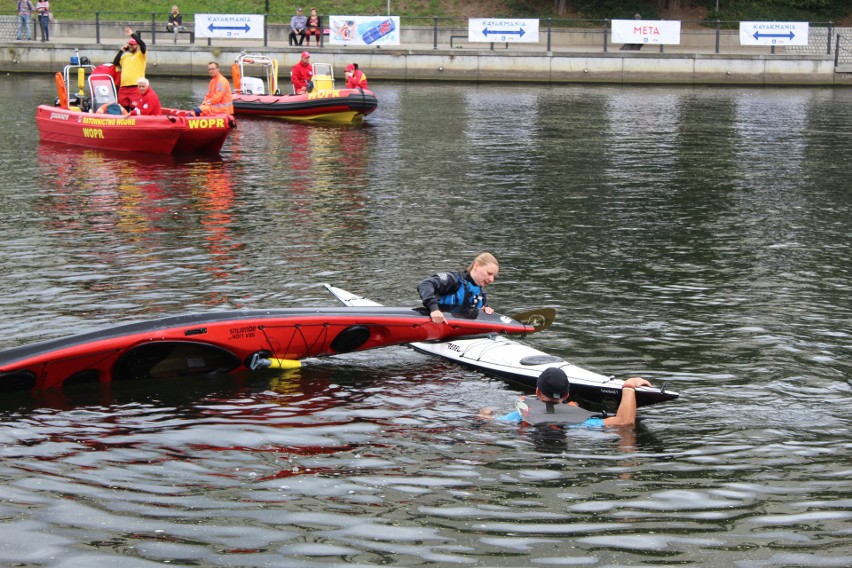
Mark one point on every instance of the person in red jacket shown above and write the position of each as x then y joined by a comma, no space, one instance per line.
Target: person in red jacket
355,78
148,103
302,75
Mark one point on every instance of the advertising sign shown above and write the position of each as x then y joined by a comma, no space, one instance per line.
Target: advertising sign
773,33
229,25
656,32
502,30
363,30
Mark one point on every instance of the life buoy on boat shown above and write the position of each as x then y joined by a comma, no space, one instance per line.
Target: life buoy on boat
61,90
236,77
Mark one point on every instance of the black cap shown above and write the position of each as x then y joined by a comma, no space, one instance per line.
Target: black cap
553,383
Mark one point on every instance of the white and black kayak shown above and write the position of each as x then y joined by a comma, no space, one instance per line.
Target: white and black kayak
498,356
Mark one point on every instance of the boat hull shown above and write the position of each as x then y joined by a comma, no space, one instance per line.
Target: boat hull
170,133
221,342
338,105
517,363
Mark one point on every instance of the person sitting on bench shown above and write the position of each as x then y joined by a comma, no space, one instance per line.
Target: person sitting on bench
175,20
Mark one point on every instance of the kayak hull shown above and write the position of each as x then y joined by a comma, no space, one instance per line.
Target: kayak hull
223,342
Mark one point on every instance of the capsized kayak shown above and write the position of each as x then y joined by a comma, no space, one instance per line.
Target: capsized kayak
223,342
504,358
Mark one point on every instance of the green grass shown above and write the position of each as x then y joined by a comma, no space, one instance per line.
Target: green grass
418,8
731,10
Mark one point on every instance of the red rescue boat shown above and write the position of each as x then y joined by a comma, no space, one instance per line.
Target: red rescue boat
74,120
261,96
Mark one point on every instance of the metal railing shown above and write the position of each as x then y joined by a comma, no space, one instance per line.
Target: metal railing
449,33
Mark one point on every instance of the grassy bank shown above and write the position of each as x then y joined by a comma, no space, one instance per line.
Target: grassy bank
728,10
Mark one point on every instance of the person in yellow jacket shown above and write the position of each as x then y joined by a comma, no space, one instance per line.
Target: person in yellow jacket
132,58
219,98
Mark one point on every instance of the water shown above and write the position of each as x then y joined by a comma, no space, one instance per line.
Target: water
698,237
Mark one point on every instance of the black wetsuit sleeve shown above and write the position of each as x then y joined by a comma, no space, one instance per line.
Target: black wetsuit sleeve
117,61
437,285
142,47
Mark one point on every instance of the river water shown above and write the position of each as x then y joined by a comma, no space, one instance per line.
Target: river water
698,237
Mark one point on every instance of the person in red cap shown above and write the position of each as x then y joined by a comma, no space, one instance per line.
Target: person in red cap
355,78
302,75
132,58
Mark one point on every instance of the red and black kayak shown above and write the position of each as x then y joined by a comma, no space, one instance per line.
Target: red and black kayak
223,342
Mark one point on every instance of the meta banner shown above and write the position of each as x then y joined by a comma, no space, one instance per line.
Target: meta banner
502,30
229,26
363,30
657,32
773,33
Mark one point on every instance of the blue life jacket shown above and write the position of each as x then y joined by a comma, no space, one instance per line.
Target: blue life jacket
468,296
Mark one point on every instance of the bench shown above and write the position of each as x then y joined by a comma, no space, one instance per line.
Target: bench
162,31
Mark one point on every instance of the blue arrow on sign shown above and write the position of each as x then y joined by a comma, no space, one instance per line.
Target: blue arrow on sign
519,33
244,27
758,35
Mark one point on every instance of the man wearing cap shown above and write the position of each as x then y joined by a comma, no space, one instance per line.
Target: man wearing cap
132,58
355,78
302,74
298,23
549,405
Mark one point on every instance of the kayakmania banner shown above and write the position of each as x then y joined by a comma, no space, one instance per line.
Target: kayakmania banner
502,30
657,32
231,26
363,30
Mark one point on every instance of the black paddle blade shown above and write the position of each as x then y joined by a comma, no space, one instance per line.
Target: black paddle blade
540,318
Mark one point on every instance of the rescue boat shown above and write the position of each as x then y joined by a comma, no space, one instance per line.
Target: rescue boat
223,342
75,119
256,93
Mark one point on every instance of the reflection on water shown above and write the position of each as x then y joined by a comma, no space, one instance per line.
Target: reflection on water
693,236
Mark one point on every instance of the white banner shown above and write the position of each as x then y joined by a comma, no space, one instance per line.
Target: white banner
363,30
502,30
773,33
229,25
657,32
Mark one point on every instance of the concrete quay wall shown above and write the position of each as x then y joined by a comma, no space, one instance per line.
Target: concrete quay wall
424,63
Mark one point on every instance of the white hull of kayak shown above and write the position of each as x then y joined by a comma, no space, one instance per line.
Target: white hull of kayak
499,356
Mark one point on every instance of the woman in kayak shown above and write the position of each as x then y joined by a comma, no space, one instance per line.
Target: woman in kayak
459,291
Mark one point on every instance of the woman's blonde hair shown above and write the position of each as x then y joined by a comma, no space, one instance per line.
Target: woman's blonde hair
483,259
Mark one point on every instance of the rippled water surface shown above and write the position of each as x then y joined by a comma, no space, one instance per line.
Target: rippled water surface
699,237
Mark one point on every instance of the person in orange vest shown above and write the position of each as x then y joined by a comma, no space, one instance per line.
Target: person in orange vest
219,98
355,78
